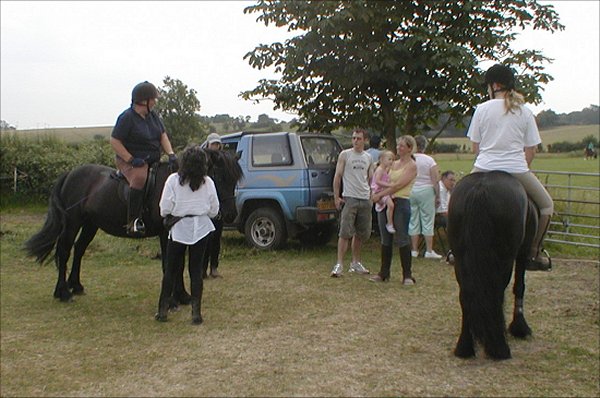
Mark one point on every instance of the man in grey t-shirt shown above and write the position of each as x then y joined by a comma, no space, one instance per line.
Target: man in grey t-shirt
353,171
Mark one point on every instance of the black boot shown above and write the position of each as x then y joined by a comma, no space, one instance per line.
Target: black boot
196,317
537,262
135,224
406,261
386,265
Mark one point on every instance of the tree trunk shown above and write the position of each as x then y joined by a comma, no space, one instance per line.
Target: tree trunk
389,124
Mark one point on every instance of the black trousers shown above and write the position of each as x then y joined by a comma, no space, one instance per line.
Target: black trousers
213,247
175,263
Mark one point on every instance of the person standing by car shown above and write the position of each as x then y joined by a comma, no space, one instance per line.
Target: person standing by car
191,196
505,137
354,171
137,139
213,246
423,200
374,151
402,177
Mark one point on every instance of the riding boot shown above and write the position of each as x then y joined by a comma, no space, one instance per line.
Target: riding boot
196,317
135,224
537,262
406,262
386,264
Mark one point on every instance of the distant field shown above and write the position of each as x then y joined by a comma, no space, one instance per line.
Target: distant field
68,134
549,136
77,134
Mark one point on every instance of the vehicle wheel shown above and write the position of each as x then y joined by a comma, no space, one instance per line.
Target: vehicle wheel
264,229
319,235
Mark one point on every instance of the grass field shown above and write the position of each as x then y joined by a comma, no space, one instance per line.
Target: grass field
278,325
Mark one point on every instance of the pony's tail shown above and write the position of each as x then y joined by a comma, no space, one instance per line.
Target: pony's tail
42,243
484,276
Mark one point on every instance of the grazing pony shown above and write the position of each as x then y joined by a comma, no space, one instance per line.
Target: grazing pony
491,224
92,197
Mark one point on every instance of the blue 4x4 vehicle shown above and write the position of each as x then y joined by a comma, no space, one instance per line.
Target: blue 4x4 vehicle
287,187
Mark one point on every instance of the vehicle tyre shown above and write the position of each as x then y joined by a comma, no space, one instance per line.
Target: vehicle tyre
318,235
265,229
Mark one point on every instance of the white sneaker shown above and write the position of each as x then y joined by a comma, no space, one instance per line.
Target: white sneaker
358,268
414,253
390,228
336,271
432,254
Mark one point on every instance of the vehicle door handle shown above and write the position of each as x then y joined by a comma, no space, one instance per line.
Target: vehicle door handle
314,174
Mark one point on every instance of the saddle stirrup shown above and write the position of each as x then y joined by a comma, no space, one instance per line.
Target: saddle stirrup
135,224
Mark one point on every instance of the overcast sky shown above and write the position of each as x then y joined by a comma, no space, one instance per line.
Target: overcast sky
73,64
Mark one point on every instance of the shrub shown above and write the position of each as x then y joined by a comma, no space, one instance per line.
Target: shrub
41,160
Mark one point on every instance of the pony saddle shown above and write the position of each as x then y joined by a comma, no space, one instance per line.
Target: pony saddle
124,185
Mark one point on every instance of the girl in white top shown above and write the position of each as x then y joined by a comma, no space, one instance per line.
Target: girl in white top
190,194
505,137
380,181
424,198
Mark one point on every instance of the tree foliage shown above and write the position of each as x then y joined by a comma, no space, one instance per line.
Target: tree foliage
178,107
394,66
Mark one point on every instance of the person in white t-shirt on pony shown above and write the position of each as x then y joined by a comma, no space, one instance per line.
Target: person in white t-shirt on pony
505,137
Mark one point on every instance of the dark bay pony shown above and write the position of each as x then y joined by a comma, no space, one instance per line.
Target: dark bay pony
91,197
491,225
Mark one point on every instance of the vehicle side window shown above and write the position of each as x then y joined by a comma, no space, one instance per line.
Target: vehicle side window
230,147
271,150
320,152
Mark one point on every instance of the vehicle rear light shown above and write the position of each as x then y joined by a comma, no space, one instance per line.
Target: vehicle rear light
325,216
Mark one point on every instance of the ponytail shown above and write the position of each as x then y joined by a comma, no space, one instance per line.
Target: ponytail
513,100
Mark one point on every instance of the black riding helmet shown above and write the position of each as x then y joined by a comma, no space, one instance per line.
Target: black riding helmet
143,92
500,74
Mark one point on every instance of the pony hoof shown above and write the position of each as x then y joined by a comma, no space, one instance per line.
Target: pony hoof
464,353
65,298
197,321
160,318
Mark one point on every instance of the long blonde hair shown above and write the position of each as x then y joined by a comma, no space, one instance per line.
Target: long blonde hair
513,100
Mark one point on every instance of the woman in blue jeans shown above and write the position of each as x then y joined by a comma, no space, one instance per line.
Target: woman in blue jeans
402,176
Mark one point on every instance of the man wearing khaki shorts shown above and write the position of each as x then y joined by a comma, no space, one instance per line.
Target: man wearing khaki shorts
354,171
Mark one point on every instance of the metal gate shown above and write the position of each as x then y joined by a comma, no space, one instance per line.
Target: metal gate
576,219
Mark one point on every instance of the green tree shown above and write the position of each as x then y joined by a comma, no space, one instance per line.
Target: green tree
392,66
178,106
546,118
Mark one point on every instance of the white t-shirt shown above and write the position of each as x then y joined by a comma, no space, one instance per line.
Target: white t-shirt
356,174
502,136
444,199
202,204
424,165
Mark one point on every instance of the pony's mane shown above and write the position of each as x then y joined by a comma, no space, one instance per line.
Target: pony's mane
228,162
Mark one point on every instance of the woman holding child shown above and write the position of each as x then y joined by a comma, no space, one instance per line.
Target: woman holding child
402,173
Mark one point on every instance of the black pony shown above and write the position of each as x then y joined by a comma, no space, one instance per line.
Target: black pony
491,224
91,197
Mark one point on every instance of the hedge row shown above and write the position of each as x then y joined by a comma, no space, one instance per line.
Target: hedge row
41,160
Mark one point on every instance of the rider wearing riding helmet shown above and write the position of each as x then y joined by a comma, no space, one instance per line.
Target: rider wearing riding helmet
505,137
137,139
